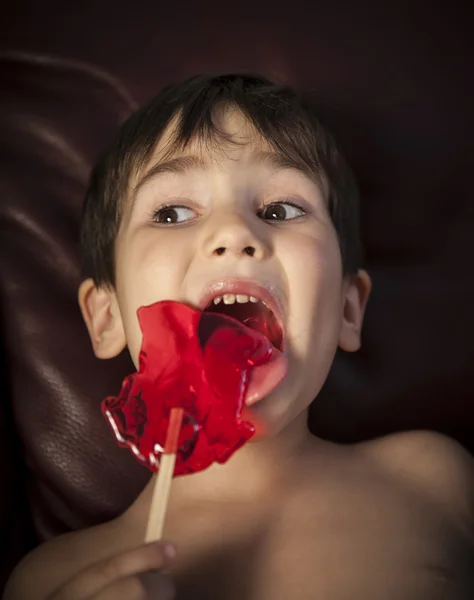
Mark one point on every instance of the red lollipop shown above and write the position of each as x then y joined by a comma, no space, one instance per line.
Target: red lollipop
186,400
200,362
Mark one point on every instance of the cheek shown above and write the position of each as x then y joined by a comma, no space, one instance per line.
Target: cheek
153,265
314,274
147,272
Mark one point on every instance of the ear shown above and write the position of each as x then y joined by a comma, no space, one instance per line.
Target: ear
356,294
102,316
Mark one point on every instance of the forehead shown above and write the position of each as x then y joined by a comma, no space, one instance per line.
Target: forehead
233,135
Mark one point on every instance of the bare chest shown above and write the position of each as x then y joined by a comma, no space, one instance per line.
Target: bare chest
345,541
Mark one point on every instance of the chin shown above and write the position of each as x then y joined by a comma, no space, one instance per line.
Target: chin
268,418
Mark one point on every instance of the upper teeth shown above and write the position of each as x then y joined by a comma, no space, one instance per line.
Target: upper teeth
232,298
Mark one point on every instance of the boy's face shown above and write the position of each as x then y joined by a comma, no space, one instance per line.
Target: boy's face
221,215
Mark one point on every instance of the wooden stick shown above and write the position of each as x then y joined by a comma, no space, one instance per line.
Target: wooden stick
162,487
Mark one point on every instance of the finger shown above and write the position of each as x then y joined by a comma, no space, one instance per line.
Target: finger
90,581
147,586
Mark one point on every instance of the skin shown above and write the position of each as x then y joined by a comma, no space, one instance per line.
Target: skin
391,518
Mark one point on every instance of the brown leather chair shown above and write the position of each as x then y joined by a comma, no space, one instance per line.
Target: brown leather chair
395,88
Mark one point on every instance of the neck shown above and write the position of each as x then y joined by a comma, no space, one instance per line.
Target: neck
260,472
260,468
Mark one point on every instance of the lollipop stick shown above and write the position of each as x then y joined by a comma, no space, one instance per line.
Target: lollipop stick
162,487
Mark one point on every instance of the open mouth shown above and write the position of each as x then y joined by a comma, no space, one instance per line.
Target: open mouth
252,313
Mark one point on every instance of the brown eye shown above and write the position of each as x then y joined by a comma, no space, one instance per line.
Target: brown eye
169,215
281,211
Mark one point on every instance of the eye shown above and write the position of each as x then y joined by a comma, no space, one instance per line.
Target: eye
169,215
281,211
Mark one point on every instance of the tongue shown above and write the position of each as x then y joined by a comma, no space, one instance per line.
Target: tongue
265,378
267,325
269,366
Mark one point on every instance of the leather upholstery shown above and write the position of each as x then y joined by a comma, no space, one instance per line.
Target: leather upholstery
396,90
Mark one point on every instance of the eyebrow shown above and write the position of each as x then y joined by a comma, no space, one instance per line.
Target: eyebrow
174,166
183,164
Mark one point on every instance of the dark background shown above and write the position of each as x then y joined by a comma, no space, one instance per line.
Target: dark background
394,82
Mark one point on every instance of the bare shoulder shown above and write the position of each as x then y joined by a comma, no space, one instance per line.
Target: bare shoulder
437,464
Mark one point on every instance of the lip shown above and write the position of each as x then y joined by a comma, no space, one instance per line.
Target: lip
248,287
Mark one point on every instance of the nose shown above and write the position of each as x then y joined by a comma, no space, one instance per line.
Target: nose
232,235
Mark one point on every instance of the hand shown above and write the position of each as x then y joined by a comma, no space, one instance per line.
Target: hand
131,575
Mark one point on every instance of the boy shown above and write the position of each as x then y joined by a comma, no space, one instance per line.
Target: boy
222,191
